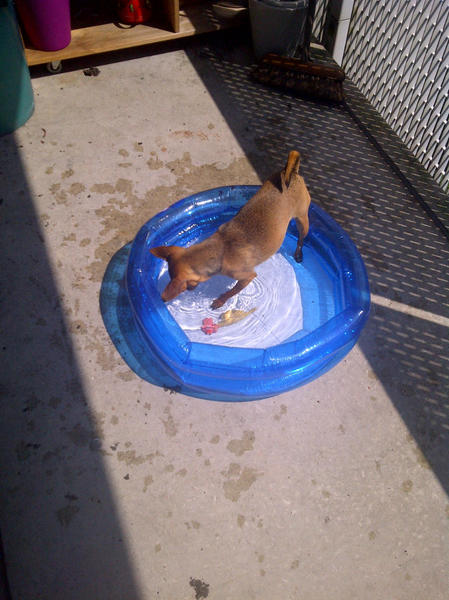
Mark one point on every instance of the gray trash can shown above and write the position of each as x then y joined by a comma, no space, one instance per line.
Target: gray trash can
277,26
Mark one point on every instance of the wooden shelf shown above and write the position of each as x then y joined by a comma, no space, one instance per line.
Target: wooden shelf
190,20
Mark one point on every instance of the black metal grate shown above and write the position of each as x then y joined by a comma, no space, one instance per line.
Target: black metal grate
397,53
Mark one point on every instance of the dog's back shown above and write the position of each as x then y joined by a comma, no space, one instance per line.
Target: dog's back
259,227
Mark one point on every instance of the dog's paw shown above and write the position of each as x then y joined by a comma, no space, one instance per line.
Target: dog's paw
217,303
298,256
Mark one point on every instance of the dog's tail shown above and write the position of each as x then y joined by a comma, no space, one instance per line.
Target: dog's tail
292,166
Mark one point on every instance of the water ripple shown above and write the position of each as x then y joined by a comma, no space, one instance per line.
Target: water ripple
274,293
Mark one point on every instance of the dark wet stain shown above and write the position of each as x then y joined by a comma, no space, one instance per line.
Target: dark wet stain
130,457
282,411
170,426
71,497
31,403
65,515
24,450
407,486
79,435
92,72
238,447
238,480
76,189
54,402
103,188
147,482
201,588
173,390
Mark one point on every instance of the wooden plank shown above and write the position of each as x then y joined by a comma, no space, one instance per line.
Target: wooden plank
108,37
100,38
171,9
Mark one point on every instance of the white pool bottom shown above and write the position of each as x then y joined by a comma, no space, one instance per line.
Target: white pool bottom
274,293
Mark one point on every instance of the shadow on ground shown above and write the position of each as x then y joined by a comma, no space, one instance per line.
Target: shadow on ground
51,444
406,255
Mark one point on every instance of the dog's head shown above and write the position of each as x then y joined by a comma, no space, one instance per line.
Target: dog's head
182,276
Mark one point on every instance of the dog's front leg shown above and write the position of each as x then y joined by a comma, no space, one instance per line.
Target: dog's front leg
238,287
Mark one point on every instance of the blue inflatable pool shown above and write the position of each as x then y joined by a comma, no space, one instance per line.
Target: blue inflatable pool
334,292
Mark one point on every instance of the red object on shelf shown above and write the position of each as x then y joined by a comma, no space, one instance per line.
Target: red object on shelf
134,11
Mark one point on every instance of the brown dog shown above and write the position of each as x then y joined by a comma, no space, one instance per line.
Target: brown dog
251,237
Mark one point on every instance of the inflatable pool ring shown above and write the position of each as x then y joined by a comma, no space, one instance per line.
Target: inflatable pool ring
334,294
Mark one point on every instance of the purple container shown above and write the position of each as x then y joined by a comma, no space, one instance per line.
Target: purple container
46,23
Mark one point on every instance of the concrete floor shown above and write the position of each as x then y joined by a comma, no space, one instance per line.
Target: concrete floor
115,488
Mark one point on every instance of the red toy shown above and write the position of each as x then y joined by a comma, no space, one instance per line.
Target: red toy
134,11
209,327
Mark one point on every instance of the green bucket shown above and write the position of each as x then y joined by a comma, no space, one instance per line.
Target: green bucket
16,93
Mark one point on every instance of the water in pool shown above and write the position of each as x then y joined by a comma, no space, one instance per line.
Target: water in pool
274,294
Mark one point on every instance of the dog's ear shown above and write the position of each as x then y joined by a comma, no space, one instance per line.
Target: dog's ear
165,252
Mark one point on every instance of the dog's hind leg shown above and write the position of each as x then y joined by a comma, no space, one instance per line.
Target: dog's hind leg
302,223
